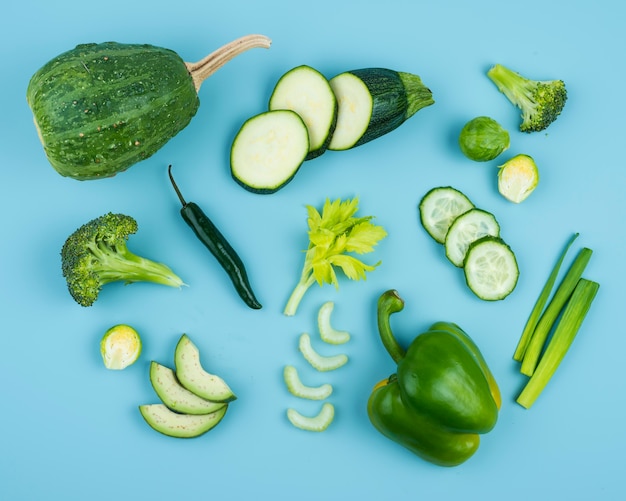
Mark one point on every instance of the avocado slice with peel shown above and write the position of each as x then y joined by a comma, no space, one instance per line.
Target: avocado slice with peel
195,378
173,424
175,396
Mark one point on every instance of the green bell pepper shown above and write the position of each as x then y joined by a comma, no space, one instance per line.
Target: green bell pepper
443,395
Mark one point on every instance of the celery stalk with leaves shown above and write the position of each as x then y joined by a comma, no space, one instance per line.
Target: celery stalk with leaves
334,236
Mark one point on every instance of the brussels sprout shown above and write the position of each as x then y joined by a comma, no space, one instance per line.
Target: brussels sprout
120,347
483,139
517,178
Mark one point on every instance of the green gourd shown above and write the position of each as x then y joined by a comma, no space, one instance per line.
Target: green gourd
101,108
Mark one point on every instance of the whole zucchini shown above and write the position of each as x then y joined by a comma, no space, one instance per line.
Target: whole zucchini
101,108
373,102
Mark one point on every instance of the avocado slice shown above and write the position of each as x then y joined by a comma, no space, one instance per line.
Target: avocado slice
172,424
175,396
194,378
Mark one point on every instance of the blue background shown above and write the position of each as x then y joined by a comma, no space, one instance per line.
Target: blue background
70,429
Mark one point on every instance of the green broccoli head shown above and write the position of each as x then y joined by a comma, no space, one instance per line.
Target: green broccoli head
541,102
97,254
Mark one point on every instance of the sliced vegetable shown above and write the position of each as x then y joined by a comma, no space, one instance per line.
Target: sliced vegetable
483,139
565,331
175,396
100,108
540,304
328,333
120,347
195,378
307,92
173,424
320,362
212,238
466,229
314,423
297,388
439,208
268,150
373,102
517,178
552,311
334,234
491,270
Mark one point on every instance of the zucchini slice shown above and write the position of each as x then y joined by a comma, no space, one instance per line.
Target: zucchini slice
467,228
373,102
439,208
175,396
172,424
491,270
307,92
192,375
268,150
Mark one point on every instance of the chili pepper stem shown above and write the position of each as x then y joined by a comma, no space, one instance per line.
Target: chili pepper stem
388,303
180,195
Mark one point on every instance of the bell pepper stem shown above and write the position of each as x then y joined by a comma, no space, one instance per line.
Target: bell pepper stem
388,303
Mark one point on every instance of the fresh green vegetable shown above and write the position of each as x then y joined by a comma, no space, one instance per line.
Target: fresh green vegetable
195,378
320,362
297,388
328,333
517,178
212,238
173,424
466,229
268,151
439,208
318,423
565,331
97,254
374,102
120,347
332,235
307,92
553,310
540,304
100,108
541,101
490,267
175,396
483,139
443,395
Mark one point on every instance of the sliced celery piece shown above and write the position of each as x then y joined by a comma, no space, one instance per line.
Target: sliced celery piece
565,332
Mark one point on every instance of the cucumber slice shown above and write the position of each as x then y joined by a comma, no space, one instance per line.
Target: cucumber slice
439,208
193,377
172,424
491,270
268,150
467,228
307,92
175,396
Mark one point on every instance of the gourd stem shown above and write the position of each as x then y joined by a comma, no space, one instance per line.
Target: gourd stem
204,68
390,302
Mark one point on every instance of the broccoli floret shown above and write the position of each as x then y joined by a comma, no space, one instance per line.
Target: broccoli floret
96,254
541,102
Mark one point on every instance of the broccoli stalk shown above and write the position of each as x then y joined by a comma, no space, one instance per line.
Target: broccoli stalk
541,102
96,254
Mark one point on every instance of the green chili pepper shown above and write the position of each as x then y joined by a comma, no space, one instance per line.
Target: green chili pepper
213,239
443,395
